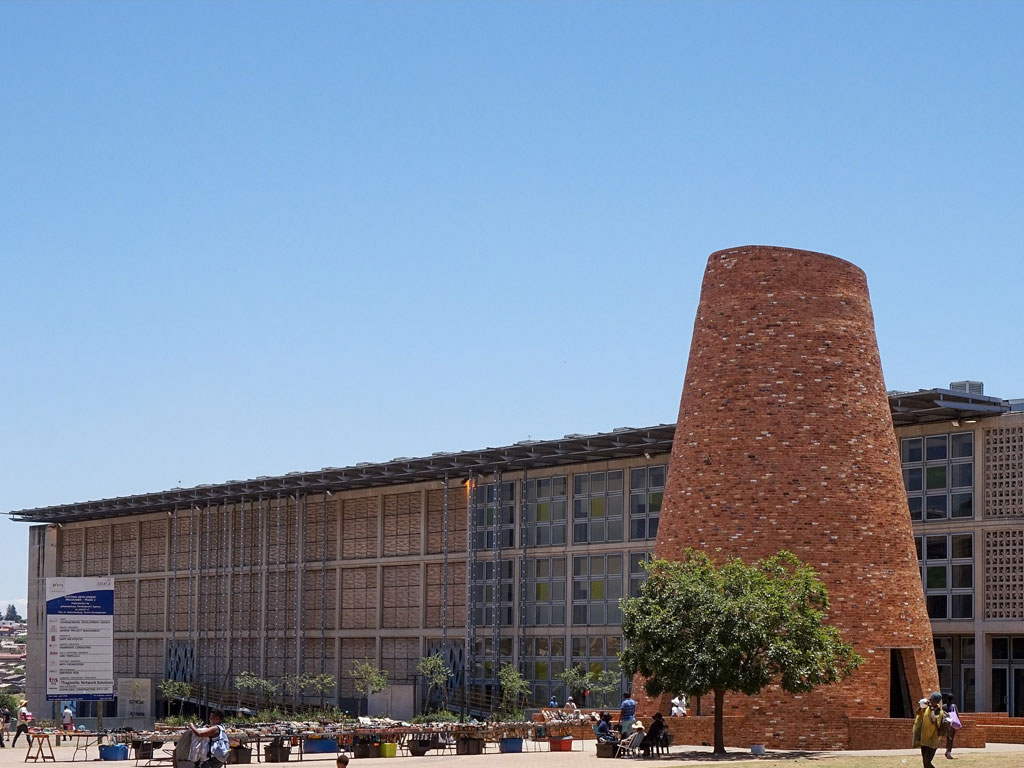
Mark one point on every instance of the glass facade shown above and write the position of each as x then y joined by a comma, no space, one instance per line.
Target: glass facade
947,573
646,492
597,507
938,474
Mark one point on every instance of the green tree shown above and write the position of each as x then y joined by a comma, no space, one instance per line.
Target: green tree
604,686
176,690
264,690
701,628
515,689
576,680
12,613
437,673
322,684
368,679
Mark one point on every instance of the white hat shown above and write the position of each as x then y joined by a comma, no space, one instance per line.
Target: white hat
638,725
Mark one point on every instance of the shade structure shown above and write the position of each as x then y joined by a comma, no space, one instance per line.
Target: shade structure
785,441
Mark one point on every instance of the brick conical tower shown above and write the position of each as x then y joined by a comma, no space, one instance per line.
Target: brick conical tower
785,441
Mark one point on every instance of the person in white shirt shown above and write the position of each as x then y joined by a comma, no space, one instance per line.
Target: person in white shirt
23,720
679,706
67,718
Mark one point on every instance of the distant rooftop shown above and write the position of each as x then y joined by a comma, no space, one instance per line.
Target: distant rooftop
921,407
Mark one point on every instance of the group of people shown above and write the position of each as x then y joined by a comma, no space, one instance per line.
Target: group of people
937,719
22,718
645,739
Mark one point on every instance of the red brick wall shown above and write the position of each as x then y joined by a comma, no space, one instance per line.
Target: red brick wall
785,441
872,733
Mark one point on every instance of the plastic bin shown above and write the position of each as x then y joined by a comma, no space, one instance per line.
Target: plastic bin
365,750
510,744
273,754
563,744
469,746
388,749
114,752
314,746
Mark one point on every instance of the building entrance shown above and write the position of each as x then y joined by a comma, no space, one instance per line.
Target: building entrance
1008,675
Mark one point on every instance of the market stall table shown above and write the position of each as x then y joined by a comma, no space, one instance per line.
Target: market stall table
40,740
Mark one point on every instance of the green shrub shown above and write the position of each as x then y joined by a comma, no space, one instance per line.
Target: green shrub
436,716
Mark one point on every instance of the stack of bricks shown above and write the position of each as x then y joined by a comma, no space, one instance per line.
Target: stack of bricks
785,441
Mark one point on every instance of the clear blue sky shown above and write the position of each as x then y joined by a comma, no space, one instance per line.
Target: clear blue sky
247,238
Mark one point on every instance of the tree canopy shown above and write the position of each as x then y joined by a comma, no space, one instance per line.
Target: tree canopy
437,674
368,678
699,628
12,614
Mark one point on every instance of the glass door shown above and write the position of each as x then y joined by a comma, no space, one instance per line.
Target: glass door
1018,692
999,689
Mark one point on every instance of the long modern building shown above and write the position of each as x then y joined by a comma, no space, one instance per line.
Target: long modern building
515,554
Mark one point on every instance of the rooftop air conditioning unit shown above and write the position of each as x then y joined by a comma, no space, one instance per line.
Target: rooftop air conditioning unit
970,387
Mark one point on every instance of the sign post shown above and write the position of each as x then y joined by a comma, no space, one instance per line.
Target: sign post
80,639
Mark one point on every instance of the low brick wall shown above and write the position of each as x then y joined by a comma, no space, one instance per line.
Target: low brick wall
1003,734
701,730
897,733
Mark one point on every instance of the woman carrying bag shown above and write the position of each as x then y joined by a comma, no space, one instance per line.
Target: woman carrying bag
953,721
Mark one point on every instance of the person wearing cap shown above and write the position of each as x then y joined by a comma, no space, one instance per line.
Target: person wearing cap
570,707
928,727
23,718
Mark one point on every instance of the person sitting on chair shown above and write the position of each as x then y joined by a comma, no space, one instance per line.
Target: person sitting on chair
603,729
655,736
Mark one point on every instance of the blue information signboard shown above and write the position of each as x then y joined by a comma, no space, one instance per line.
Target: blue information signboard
80,638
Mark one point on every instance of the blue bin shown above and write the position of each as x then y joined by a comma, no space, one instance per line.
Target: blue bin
310,746
114,752
510,745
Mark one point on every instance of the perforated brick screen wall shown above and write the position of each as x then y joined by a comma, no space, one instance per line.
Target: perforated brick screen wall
1004,472
359,598
318,602
1004,574
457,510
456,594
401,596
71,549
359,527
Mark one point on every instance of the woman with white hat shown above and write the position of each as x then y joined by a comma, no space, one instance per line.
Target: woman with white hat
23,718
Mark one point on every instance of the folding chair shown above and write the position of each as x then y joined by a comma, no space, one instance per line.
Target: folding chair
630,746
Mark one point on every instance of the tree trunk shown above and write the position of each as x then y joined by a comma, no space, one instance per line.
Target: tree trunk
719,729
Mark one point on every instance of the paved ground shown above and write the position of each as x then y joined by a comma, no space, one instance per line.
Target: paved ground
995,755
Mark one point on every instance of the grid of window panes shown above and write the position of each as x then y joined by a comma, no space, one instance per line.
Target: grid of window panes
483,592
494,518
484,658
545,591
597,653
646,491
938,474
637,572
947,574
1007,688
543,659
597,507
944,660
547,506
596,589
967,674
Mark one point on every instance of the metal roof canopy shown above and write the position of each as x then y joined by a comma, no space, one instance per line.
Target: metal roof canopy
528,454
927,406
921,407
